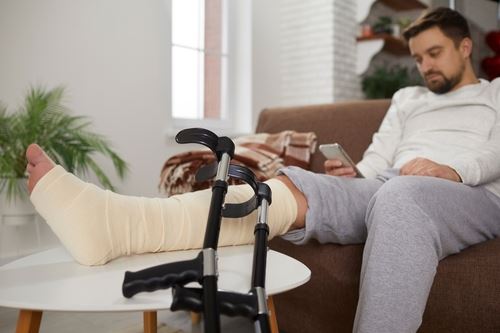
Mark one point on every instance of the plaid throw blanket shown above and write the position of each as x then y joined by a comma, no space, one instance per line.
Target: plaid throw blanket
263,153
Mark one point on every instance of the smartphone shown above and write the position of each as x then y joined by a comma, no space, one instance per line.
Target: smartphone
335,151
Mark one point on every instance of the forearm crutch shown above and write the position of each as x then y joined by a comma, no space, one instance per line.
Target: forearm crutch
254,304
203,268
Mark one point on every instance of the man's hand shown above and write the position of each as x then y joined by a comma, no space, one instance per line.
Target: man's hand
336,168
424,167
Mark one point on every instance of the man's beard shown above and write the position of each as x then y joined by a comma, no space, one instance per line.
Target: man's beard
447,84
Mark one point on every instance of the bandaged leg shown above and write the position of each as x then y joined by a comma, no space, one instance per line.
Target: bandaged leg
97,225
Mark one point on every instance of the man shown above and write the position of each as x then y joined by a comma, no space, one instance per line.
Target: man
432,189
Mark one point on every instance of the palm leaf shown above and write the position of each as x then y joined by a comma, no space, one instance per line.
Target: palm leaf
67,139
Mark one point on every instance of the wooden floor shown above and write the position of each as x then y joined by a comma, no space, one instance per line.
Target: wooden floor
168,322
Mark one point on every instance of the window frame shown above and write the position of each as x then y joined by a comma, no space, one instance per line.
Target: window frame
238,83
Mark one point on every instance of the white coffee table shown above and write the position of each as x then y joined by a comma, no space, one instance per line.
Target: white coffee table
53,281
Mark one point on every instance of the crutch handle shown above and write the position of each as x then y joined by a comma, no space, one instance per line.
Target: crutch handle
235,171
198,135
264,192
236,304
189,299
239,172
219,145
230,304
244,208
245,174
163,276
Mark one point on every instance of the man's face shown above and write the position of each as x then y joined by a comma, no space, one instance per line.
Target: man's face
439,61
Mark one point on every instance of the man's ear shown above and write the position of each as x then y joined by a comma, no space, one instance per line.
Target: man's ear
466,47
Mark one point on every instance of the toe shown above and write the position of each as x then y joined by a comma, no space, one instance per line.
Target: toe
34,153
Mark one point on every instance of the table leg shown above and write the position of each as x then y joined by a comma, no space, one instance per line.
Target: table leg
272,315
28,321
195,318
150,322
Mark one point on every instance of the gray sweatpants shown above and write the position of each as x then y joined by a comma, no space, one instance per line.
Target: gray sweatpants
409,223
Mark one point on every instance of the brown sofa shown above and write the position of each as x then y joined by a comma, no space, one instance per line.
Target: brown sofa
465,296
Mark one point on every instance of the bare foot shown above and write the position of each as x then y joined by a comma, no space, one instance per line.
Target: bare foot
38,164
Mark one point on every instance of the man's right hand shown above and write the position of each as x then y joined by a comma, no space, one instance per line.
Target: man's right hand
336,168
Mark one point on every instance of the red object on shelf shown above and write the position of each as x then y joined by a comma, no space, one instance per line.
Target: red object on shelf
491,65
493,41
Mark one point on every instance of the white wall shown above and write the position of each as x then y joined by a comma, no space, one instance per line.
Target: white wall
300,52
266,79
112,56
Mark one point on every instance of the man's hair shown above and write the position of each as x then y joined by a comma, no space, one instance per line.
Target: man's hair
452,24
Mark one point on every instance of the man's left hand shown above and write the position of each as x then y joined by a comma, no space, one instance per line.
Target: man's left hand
424,167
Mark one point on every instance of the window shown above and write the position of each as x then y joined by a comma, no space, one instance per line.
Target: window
199,60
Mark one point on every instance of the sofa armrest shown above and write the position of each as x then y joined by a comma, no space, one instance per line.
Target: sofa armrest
351,124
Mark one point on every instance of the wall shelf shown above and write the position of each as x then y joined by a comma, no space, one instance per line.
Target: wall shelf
393,45
368,47
404,5
397,5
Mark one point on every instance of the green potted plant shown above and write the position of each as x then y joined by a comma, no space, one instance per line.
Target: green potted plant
384,81
66,138
383,25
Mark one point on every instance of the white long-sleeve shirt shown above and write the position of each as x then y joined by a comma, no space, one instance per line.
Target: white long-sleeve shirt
460,129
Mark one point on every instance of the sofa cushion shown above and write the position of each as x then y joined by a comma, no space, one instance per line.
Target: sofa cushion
351,124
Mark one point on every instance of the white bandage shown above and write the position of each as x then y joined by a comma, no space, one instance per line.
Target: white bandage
97,225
